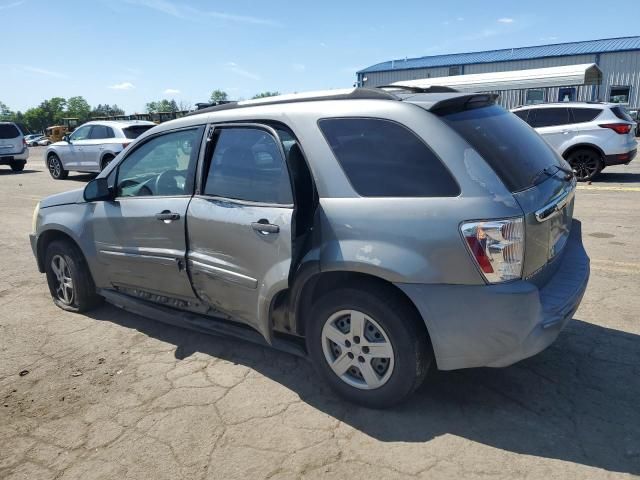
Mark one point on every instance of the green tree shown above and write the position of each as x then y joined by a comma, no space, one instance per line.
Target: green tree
5,113
218,96
36,119
106,110
78,107
266,94
162,106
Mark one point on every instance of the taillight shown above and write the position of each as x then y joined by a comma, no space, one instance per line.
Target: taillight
497,246
24,142
621,128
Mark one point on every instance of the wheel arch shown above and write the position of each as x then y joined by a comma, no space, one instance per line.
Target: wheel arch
51,235
311,285
106,155
581,146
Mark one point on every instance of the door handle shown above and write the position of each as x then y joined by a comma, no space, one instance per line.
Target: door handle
167,216
264,227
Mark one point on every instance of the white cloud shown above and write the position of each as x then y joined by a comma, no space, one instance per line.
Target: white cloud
178,10
460,19
298,67
505,20
11,5
171,91
323,45
234,68
122,86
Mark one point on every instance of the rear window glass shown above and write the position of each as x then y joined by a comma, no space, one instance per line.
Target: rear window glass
382,158
515,152
581,115
621,113
8,130
136,130
548,117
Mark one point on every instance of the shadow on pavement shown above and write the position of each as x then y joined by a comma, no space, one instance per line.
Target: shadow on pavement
578,401
8,171
616,177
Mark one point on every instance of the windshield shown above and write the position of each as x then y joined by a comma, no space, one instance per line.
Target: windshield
136,130
512,148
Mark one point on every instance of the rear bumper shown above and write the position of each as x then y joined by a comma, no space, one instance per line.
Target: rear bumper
498,325
16,157
620,158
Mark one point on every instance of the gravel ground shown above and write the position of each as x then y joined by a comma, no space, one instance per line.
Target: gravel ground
114,395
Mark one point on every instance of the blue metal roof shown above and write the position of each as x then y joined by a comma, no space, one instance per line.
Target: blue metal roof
507,54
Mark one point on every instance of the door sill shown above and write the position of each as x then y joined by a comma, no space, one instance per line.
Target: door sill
202,323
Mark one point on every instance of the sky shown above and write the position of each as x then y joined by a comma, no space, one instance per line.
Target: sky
130,52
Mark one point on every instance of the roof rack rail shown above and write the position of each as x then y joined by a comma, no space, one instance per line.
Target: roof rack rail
360,93
431,89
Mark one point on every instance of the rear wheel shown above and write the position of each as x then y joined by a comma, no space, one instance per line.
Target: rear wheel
586,163
70,282
17,167
55,167
106,161
369,345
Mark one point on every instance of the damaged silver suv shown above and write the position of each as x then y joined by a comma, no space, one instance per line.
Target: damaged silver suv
377,231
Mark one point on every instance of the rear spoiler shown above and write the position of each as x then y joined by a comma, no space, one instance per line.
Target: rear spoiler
463,102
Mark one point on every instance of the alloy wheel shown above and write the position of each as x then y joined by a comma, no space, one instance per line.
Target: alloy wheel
586,165
63,282
54,167
357,349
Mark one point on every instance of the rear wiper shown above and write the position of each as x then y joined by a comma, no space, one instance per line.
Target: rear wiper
550,173
570,173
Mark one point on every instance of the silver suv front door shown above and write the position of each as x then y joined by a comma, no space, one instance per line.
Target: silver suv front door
239,224
140,235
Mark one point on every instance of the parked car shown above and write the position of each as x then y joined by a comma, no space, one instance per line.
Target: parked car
377,232
590,136
13,149
635,116
44,142
29,139
92,146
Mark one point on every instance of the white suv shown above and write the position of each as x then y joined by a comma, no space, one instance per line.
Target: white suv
92,146
590,136
13,148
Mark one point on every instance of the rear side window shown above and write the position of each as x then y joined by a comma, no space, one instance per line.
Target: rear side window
382,158
582,115
100,132
622,114
548,117
247,164
9,130
510,147
136,130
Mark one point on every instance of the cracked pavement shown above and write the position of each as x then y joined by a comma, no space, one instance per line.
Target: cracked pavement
113,395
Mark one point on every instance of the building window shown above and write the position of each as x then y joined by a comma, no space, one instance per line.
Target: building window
619,94
454,71
567,94
535,96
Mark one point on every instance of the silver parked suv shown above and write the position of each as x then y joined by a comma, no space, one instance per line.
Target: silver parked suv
13,148
589,135
92,146
377,231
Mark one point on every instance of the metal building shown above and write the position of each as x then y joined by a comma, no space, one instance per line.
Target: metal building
617,58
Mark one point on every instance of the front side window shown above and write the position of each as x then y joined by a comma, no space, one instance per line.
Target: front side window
99,132
247,165
81,133
535,97
163,165
382,158
619,94
548,117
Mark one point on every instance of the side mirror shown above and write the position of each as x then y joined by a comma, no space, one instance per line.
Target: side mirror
97,189
66,139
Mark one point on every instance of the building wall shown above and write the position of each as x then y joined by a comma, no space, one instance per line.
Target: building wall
618,69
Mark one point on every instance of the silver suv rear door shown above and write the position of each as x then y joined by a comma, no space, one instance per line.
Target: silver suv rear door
239,223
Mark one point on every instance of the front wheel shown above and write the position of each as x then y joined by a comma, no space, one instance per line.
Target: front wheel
70,282
56,170
369,345
586,163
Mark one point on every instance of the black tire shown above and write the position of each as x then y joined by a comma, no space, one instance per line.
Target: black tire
412,353
586,162
83,296
17,167
56,170
106,161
